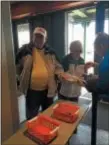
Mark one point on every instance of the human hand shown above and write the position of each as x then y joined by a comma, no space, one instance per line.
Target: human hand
91,82
73,79
90,64
65,77
92,77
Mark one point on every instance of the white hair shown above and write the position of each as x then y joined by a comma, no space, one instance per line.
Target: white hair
76,44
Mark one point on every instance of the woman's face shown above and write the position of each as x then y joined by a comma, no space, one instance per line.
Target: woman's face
75,52
39,40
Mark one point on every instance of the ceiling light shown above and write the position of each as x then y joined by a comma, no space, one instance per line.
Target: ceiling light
91,11
79,13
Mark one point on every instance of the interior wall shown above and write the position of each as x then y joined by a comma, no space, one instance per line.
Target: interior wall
6,127
58,31
54,23
9,103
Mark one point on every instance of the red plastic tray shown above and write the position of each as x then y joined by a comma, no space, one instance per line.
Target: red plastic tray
43,128
66,112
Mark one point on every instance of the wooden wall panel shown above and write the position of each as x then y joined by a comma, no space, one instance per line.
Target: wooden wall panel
24,9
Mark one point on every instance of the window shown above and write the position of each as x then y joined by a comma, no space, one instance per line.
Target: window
82,29
90,37
78,32
106,23
81,26
70,30
23,34
23,38
106,26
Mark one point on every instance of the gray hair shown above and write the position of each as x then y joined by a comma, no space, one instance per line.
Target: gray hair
76,44
102,39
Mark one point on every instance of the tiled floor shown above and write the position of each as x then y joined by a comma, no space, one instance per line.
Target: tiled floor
83,137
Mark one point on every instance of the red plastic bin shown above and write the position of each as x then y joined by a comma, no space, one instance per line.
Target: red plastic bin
43,128
66,112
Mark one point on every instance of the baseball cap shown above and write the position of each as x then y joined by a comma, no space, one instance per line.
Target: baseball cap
40,30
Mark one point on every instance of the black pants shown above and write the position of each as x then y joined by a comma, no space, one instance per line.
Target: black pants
75,99
34,100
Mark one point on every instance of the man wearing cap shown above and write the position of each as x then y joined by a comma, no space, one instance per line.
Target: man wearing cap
38,69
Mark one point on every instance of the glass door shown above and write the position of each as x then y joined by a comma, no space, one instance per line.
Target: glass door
90,37
81,26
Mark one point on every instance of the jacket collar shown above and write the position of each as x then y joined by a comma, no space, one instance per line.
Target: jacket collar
47,49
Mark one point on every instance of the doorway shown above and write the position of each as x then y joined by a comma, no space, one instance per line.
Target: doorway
81,26
23,35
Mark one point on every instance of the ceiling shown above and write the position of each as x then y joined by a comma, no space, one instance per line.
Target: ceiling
14,2
87,14
21,9
84,13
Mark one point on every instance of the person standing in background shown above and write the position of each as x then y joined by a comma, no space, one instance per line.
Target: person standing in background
68,90
100,84
38,69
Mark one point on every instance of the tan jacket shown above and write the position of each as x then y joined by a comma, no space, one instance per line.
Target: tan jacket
53,67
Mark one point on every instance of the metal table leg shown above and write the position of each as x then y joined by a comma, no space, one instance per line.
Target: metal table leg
94,118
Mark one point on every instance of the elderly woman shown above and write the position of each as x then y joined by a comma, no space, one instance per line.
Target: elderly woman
37,68
69,91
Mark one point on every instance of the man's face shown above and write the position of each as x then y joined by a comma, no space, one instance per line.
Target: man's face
38,40
99,50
